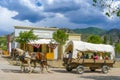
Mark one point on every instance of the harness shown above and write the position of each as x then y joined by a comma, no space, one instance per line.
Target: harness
22,57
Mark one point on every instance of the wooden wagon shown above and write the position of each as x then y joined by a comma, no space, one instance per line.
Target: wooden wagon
80,63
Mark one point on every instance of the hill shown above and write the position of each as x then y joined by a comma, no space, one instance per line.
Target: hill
90,30
114,34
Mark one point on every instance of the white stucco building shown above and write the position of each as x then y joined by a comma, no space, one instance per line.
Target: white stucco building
45,36
42,44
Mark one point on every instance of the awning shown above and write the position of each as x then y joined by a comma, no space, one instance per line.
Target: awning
37,43
40,41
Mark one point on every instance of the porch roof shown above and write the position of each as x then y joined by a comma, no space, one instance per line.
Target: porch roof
40,41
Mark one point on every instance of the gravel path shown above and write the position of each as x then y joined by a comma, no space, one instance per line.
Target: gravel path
10,72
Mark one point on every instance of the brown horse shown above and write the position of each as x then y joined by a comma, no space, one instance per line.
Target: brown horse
23,58
31,57
40,58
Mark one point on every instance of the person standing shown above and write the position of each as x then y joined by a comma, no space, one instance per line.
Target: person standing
69,56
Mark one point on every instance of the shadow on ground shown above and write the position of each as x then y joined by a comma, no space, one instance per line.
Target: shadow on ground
74,71
101,77
63,71
17,71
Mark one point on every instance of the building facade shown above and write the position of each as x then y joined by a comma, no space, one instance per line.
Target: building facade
43,43
44,35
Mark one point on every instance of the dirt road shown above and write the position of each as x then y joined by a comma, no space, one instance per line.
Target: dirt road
10,72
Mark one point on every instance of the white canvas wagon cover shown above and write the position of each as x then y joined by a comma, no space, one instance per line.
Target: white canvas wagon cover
76,46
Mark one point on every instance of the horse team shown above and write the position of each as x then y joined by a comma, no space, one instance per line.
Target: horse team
30,58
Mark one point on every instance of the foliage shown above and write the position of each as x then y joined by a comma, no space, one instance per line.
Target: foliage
105,39
26,36
112,9
90,30
60,36
113,35
94,39
67,30
3,43
118,13
106,54
119,38
84,37
111,41
86,32
117,47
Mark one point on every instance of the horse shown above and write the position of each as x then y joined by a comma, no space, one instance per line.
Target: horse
23,58
31,57
40,58
14,56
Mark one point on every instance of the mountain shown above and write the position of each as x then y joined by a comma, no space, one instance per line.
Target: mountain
90,30
114,34
67,30
86,32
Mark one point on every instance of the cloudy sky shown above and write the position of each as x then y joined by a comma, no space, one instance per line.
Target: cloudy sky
53,13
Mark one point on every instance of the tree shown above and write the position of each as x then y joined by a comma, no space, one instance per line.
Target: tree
117,48
105,39
94,39
61,37
111,41
113,9
3,43
118,38
25,37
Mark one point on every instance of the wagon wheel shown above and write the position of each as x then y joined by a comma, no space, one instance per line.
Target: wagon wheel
80,69
105,69
69,68
108,68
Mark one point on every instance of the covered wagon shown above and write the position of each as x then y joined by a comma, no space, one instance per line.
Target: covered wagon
82,56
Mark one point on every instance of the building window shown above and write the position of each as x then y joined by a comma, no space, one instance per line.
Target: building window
38,49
